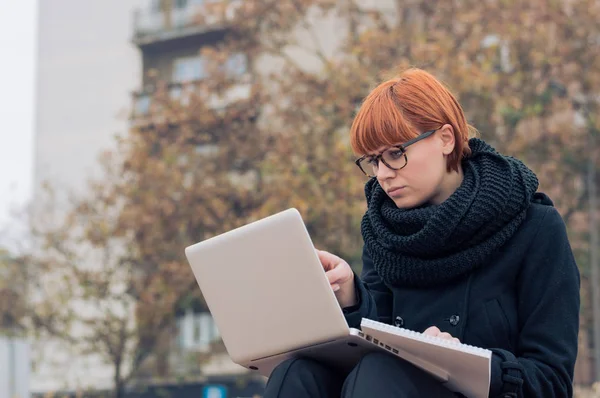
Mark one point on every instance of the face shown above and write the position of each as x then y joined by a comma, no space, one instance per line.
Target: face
425,178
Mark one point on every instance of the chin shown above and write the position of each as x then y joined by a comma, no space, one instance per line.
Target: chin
407,202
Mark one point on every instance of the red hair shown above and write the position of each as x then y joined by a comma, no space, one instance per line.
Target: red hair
402,108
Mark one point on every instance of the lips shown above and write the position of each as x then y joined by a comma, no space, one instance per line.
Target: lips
395,191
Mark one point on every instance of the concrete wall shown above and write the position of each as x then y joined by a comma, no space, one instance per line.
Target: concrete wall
14,368
87,68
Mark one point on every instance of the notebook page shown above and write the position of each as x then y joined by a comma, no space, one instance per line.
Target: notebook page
468,367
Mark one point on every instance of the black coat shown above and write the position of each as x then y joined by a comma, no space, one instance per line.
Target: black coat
523,305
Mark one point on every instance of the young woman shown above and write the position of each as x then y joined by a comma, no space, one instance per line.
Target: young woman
458,244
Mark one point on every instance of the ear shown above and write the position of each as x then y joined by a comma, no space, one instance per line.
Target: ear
446,134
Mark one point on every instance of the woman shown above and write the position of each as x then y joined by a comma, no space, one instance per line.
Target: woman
459,245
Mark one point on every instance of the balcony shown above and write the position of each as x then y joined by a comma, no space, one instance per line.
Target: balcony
189,78
146,110
185,18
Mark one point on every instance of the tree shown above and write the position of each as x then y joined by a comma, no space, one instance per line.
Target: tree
84,291
531,95
12,295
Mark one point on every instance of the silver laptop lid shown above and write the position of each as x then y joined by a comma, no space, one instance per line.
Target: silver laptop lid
266,288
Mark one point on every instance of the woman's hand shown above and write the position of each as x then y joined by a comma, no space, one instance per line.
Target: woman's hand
435,332
340,276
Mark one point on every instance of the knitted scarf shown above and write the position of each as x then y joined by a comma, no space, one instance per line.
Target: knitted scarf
435,244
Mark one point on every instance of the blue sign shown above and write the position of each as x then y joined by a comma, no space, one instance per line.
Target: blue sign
214,392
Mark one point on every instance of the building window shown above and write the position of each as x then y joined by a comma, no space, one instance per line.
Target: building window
180,338
197,331
188,69
179,95
155,6
204,324
142,105
504,63
237,64
180,3
175,93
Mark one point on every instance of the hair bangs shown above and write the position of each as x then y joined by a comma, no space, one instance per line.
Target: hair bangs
380,122
402,108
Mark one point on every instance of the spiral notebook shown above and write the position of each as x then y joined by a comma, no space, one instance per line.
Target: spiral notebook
461,367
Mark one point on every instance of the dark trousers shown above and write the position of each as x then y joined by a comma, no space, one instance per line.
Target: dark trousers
376,375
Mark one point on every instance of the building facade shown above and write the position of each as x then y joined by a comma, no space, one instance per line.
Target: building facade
170,35
97,61
85,71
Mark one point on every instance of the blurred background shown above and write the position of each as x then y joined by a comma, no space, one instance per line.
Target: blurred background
131,129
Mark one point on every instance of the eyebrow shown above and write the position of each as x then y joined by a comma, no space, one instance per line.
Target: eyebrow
379,153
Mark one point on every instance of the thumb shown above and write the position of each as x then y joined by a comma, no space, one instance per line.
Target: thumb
432,331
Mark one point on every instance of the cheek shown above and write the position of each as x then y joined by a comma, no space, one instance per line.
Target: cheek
424,172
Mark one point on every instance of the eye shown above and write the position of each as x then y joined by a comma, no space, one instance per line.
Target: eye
396,153
371,161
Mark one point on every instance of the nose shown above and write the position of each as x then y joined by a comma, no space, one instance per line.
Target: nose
384,172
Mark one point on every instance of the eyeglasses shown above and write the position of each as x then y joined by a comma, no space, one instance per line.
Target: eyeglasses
394,158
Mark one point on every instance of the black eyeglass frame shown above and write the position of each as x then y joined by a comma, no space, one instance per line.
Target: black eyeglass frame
401,147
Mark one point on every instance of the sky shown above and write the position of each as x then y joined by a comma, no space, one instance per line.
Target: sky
18,22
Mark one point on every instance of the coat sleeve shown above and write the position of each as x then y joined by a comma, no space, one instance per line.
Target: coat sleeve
374,298
548,308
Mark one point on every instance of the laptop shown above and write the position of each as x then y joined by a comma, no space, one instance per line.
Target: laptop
270,298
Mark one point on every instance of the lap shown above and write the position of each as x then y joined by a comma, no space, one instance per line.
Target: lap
384,375
376,374
303,377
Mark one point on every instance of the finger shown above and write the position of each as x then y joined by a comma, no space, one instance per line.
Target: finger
432,331
445,336
456,340
334,275
324,258
327,259
335,287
